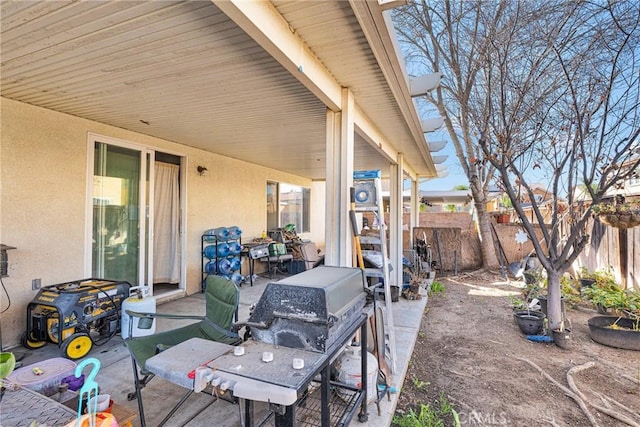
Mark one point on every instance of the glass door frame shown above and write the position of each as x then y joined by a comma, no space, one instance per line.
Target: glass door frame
145,213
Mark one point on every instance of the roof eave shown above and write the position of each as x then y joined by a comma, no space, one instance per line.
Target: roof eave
378,29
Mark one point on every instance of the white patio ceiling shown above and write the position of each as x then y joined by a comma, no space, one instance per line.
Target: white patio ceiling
185,72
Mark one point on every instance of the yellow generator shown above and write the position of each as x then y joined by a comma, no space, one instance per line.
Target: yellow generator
75,315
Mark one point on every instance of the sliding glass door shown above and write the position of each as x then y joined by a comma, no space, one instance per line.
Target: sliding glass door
135,206
116,213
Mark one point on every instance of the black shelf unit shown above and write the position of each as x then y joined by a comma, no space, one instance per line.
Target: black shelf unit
207,240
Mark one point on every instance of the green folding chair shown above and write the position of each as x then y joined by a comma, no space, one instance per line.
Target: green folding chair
221,297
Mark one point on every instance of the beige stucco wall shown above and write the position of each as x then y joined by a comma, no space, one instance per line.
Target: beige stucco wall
43,174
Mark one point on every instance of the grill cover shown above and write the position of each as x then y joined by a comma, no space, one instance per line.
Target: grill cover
309,310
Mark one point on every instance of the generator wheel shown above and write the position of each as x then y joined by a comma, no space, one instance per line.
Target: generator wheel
76,346
29,342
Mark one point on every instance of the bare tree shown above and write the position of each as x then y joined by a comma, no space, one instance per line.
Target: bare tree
537,91
451,38
565,112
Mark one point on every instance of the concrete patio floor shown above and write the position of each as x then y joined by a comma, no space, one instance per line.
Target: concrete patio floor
116,377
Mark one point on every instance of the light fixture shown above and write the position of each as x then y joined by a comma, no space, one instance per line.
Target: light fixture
432,124
421,85
202,170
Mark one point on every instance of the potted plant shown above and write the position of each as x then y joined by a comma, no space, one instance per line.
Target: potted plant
586,278
619,214
603,291
602,278
621,330
529,320
535,288
504,206
503,218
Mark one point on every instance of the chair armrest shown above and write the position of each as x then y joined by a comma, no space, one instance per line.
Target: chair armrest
132,313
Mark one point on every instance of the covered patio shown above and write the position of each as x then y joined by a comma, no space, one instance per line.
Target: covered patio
238,97
115,377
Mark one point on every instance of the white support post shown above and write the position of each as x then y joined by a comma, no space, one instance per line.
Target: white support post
340,158
347,131
332,190
395,220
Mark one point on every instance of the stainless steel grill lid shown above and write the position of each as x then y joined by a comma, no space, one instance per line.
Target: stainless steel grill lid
309,310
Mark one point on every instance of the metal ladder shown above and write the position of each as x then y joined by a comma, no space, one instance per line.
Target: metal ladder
373,204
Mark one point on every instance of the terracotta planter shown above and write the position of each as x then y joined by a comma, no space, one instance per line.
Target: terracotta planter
503,218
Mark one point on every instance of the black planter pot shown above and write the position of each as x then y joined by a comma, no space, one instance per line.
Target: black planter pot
585,283
561,338
529,322
600,332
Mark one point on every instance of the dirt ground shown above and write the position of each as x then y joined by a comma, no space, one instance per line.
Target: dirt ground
470,348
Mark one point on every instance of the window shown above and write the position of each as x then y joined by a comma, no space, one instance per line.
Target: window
634,178
288,204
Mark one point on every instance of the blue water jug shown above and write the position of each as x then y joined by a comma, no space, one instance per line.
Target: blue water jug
211,267
220,233
222,249
235,232
209,251
224,266
237,278
235,248
235,263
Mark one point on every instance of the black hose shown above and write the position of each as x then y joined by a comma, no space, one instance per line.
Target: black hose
118,314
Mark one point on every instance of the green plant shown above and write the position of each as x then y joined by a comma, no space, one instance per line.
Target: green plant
535,285
604,297
603,278
570,290
436,287
443,415
419,384
613,298
518,303
603,208
7,363
505,202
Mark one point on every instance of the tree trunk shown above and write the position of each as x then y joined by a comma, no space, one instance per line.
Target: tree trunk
554,294
489,258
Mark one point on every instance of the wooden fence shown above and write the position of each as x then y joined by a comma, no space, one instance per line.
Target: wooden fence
455,245
613,248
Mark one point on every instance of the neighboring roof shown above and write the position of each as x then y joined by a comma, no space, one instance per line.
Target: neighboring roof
446,197
251,80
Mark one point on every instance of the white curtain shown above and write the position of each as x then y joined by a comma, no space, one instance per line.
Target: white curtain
166,226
